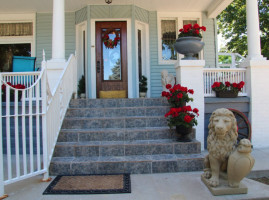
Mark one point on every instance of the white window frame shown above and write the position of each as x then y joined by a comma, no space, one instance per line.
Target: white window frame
179,17
20,18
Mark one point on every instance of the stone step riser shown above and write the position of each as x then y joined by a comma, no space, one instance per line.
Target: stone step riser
126,149
117,112
119,135
87,123
133,167
108,103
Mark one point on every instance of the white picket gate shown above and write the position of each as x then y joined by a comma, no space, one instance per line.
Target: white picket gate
30,126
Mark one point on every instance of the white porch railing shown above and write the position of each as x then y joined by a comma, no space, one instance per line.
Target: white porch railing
222,75
29,129
59,103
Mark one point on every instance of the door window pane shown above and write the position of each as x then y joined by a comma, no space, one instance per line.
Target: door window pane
9,50
168,29
111,54
16,29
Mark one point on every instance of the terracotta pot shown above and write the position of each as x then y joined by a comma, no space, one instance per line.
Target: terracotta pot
189,46
183,133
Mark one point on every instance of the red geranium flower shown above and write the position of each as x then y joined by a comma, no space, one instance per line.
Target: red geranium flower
187,119
190,91
168,86
227,83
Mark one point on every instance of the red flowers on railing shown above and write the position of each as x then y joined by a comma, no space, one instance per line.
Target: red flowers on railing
236,87
189,30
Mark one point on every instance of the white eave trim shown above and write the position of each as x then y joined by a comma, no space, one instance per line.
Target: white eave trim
217,7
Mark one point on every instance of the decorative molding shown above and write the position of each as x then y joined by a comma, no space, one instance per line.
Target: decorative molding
217,7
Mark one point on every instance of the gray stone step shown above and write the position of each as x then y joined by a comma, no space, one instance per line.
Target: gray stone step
114,122
124,148
116,134
106,103
145,164
117,111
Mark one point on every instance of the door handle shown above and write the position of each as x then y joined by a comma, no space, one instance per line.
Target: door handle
98,66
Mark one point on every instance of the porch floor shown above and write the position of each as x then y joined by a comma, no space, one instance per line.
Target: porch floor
168,186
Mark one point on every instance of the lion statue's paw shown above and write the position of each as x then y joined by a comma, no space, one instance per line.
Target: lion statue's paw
207,174
213,181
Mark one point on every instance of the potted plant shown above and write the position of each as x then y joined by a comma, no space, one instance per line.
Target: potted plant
180,116
183,118
143,87
81,87
227,90
189,41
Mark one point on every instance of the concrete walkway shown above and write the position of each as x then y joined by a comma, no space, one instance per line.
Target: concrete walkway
169,186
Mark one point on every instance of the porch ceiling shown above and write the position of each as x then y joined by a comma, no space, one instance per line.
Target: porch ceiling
212,7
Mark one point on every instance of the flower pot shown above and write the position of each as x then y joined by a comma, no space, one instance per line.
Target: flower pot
189,46
82,95
226,94
183,133
142,94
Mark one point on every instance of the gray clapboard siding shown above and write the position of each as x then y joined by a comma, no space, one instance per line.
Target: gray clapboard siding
141,15
155,67
81,15
44,35
209,39
110,11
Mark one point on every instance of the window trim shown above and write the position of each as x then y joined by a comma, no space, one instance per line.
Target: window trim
179,17
20,18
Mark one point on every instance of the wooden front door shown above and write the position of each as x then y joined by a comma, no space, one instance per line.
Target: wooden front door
111,58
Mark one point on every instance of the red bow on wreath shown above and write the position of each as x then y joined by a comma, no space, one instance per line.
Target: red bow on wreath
109,43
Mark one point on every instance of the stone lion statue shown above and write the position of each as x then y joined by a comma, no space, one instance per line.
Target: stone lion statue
167,79
221,142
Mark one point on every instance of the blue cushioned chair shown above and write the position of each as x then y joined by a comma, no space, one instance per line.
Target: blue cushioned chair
23,64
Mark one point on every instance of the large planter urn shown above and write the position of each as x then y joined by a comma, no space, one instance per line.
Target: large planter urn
189,46
183,133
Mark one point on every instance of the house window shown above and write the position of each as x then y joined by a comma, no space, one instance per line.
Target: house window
16,29
168,33
9,50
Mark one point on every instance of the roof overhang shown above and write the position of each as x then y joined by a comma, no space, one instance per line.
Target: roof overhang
211,7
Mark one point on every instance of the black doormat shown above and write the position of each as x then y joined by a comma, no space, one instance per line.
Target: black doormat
90,184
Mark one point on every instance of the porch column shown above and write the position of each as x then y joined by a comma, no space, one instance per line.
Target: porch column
189,73
58,31
253,31
56,65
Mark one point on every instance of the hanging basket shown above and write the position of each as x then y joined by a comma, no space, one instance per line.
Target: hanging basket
226,94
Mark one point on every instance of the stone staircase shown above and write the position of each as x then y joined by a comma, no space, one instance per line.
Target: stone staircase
121,136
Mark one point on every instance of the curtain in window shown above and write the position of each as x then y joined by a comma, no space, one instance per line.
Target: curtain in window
16,29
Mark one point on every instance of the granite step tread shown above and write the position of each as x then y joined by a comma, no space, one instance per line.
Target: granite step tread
138,158
115,143
117,111
125,148
89,130
101,103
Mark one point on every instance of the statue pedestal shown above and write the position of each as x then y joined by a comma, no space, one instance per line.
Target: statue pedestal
224,188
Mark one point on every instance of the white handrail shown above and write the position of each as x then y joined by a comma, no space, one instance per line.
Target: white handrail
34,141
58,105
212,75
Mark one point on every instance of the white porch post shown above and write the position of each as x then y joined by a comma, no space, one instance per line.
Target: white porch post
257,79
189,73
56,65
253,30
58,32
